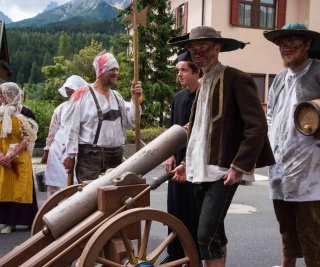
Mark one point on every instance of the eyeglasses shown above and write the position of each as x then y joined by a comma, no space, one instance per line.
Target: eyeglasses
291,46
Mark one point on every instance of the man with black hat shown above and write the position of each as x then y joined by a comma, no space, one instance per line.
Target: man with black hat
227,137
294,179
180,200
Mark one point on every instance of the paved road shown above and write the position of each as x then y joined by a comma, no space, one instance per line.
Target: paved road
250,224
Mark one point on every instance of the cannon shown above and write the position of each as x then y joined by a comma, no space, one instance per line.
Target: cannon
107,221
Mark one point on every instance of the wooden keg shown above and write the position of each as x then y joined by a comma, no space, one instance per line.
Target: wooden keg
307,117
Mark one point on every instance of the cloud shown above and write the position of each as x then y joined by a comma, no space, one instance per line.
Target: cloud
22,9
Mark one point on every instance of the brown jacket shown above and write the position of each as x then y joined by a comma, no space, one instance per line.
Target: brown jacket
238,127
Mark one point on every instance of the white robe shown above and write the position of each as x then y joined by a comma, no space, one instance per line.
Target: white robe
55,173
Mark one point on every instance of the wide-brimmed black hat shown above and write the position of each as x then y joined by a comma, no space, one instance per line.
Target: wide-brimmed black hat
296,29
205,33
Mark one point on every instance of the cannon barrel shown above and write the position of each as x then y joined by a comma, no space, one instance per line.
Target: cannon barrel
83,203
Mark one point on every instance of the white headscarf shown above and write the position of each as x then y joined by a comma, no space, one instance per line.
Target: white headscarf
73,82
12,95
103,63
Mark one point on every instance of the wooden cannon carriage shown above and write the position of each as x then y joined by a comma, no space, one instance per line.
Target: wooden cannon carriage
107,222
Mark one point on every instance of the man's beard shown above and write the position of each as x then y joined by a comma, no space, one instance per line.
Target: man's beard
109,82
203,63
295,62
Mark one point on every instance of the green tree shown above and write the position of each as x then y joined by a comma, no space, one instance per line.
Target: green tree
81,64
64,49
55,75
34,91
156,70
47,59
20,77
43,111
36,75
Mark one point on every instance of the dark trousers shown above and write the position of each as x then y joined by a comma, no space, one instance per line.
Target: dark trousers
213,201
181,204
300,229
93,161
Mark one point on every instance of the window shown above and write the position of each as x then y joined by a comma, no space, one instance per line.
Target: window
260,82
271,78
256,14
261,14
182,17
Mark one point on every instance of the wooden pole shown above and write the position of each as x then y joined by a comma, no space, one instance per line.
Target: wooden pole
136,72
70,179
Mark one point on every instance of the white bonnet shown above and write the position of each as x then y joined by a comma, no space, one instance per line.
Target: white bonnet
73,82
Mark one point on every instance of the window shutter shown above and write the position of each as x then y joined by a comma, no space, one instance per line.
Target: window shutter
282,8
185,18
234,6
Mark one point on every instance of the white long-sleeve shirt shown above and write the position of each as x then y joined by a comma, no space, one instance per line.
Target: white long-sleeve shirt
296,174
81,120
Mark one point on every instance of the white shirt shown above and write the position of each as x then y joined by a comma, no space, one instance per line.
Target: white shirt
296,174
81,120
197,169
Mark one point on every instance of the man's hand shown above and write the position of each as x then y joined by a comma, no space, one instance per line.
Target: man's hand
232,177
137,89
170,164
186,127
179,174
68,163
45,157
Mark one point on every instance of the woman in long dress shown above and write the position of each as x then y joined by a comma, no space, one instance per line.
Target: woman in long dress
54,152
18,203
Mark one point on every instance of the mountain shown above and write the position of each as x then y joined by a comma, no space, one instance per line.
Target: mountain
52,5
6,19
120,4
75,11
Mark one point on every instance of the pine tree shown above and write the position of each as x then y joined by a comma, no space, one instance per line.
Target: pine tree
64,46
36,75
156,69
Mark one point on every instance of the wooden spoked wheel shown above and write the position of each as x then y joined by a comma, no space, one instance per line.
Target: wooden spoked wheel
49,204
145,255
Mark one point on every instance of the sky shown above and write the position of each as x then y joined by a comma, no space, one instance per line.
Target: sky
18,10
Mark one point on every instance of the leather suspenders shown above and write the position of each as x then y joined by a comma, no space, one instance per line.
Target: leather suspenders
104,116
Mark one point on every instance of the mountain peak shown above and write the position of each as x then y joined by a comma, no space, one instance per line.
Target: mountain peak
52,5
6,19
75,11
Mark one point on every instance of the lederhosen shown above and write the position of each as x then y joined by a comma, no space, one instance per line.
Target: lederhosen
92,159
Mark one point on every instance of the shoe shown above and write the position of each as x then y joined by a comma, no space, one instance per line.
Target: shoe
8,229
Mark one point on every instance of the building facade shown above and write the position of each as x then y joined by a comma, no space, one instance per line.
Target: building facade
245,20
